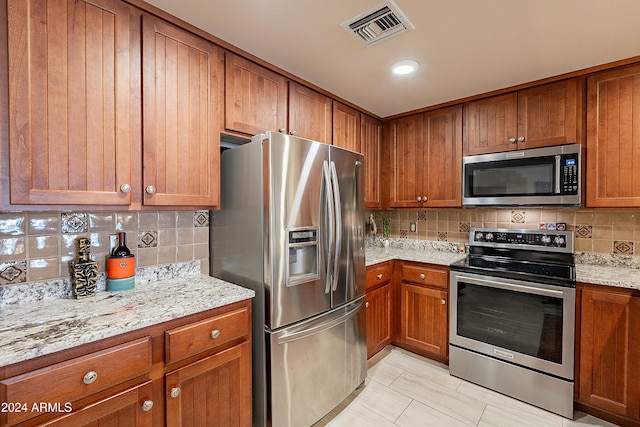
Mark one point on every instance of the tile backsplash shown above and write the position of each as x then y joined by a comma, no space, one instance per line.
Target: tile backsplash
601,231
40,245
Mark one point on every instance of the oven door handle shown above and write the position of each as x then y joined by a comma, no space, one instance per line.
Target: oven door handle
510,286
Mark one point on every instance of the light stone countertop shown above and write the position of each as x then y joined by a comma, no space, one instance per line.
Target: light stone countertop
591,268
50,325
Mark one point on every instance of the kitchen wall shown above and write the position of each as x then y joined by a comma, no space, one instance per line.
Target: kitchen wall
40,245
602,231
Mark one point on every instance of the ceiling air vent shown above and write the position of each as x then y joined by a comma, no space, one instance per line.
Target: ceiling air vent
380,23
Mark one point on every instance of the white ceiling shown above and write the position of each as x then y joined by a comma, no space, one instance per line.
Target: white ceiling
465,47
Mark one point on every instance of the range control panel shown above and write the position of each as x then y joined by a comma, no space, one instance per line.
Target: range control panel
522,239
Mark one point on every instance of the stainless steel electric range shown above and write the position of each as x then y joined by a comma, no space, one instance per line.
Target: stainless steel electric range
512,319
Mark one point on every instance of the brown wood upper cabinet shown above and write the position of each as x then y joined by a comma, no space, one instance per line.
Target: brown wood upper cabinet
309,114
255,97
541,116
613,139
181,146
73,78
346,127
370,143
426,159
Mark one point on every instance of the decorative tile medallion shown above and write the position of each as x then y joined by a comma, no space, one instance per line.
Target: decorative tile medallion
75,222
442,236
624,248
584,231
201,218
403,234
147,239
518,217
13,272
465,227
422,215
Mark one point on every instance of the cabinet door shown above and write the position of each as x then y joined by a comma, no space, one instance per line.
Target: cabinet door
73,79
132,407
407,161
442,173
613,138
549,114
489,124
378,305
309,114
181,144
610,352
255,98
371,137
423,318
346,127
215,390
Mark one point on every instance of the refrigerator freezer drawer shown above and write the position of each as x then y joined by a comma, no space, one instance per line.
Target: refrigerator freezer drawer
315,365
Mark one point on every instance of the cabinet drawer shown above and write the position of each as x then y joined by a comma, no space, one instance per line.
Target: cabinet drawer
378,274
426,275
195,338
77,378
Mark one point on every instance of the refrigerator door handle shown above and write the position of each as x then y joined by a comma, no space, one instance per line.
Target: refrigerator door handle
326,174
338,232
316,329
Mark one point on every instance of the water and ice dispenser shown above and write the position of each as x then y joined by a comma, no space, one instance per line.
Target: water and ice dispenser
303,255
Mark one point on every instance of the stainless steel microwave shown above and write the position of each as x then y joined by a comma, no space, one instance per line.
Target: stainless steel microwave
538,176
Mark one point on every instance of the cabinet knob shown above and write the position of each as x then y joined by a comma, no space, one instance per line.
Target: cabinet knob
424,198
521,139
379,276
150,189
125,188
293,132
419,199
147,405
281,130
366,304
422,276
443,302
512,140
90,377
215,334
175,392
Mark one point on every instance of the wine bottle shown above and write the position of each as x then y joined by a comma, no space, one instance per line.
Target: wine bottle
121,250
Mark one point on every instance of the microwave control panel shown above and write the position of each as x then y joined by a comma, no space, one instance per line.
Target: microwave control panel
570,173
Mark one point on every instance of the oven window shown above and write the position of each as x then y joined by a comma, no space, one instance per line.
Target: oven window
514,178
521,322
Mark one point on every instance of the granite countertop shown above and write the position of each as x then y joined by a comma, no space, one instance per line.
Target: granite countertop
42,327
591,268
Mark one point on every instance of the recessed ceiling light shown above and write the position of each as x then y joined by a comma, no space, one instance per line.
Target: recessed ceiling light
404,67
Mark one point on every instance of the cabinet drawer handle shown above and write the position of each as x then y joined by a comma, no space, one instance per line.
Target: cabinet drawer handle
175,392
147,405
379,276
215,334
90,377
422,276
125,188
443,302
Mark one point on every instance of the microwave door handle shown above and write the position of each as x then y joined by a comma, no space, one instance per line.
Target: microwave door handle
558,158
326,174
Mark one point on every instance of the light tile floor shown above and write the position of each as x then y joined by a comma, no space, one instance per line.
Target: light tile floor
407,390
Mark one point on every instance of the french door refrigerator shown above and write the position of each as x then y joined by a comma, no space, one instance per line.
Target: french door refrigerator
291,227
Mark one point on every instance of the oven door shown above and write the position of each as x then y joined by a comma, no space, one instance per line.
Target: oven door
525,323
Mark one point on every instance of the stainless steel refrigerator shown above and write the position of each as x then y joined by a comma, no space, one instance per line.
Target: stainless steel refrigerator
291,227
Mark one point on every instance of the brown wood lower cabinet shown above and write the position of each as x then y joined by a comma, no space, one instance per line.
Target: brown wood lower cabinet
378,305
215,390
609,352
128,380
